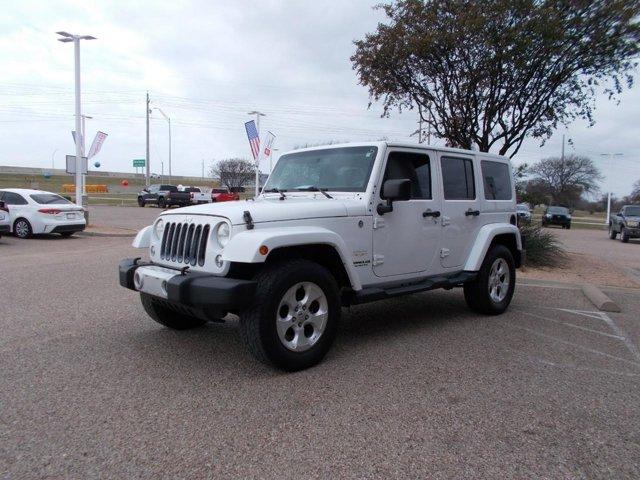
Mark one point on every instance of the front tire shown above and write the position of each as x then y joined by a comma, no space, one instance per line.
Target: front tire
22,228
141,202
294,316
492,290
624,236
612,232
162,203
168,317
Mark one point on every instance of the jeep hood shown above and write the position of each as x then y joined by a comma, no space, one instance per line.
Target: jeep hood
269,209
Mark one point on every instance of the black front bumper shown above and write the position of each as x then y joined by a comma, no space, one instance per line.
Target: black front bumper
197,289
69,228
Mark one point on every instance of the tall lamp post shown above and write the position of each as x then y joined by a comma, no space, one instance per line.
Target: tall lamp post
169,121
68,37
258,115
610,156
84,151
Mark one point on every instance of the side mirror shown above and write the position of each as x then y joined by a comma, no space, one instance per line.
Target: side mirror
393,191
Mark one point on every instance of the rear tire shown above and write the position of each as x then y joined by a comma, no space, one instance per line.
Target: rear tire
612,232
162,203
22,228
624,236
141,202
167,317
294,316
67,234
491,292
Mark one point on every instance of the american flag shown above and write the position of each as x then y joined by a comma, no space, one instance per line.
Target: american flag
254,139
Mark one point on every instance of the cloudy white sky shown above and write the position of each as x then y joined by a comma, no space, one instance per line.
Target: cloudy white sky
206,64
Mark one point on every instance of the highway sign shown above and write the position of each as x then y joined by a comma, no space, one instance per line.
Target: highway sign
139,162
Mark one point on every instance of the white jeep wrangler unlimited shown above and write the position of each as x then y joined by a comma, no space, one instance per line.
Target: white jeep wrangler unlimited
334,226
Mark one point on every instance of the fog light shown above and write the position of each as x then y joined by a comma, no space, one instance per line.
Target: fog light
219,261
138,280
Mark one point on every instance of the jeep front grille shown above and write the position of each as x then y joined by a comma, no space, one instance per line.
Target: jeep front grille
184,243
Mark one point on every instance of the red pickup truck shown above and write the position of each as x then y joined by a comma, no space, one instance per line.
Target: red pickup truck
223,195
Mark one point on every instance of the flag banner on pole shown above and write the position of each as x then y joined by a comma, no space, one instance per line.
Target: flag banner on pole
266,147
73,134
96,145
254,139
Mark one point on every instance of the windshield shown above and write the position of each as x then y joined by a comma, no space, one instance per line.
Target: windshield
522,208
632,211
558,210
338,169
49,199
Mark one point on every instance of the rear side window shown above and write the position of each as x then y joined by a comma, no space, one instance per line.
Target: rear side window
170,188
11,198
457,178
497,181
49,198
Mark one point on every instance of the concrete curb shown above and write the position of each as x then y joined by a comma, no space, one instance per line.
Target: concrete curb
599,299
101,234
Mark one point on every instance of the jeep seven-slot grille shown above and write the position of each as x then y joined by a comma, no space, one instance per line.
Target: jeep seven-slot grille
184,243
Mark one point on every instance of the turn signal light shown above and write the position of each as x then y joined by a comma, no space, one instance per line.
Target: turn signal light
50,211
263,250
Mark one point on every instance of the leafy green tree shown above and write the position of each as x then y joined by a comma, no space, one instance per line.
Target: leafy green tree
635,193
491,73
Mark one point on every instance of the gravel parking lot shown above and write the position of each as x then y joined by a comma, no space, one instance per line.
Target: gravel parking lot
414,387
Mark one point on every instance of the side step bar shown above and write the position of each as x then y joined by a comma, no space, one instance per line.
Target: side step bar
373,294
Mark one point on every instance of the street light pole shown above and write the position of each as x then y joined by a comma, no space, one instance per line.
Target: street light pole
52,160
169,122
258,115
84,150
67,37
610,156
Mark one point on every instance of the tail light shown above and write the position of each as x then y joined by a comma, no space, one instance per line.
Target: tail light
50,211
3,206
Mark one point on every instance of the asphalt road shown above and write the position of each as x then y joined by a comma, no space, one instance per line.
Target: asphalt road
417,387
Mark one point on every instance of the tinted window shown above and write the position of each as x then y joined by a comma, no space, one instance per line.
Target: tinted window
170,188
497,181
48,198
458,179
11,198
153,189
415,167
558,210
340,169
192,189
632,211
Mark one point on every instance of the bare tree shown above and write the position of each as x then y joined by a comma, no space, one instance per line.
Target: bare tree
635,193
233,173
566,180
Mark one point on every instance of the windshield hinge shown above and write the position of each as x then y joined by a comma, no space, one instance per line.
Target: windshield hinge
248,220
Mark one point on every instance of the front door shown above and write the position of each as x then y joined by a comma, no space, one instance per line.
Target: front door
406,240
460,208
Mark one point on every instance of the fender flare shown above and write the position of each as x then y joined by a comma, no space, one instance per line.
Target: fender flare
244,246
485,236
143,238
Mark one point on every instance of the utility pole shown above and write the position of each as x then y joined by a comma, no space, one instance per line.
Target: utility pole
68,37
84,150
610,156
203,169
258,115
52,160
147,157
168,119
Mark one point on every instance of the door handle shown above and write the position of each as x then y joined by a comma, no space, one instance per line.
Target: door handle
473,213
430,213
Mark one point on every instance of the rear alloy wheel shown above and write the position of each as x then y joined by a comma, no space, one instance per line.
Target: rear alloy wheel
624,236
294,316
22,228
612,233
491,291
141,202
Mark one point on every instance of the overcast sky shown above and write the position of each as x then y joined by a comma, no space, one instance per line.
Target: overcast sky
206,64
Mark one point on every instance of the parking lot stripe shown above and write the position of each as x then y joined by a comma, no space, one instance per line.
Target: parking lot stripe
628,343
579,327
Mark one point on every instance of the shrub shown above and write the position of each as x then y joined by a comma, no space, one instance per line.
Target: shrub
543,248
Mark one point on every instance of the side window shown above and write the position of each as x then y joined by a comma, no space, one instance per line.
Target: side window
457,178
414,166
153,189
497,181
11,198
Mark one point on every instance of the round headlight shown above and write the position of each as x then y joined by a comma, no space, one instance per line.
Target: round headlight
159,228
222,234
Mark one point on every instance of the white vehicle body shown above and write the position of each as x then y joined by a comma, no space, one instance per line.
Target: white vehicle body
200,197
61,217
437,238
5,223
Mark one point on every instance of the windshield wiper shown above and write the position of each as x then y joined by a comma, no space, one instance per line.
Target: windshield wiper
276,190
313,188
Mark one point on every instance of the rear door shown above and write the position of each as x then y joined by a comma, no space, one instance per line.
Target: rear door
460,207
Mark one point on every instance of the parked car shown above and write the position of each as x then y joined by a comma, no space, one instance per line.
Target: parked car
339,225
223,195
5,223
33,212
199,197
156,195
626,223
557,216
524,214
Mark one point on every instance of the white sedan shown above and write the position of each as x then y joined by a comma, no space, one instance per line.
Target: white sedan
34,212
4,219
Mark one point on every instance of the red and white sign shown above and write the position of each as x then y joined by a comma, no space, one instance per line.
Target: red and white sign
266,146
96,145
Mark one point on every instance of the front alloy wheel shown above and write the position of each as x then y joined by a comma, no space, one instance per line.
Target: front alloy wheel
302,316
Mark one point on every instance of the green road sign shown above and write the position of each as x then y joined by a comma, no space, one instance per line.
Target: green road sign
140,162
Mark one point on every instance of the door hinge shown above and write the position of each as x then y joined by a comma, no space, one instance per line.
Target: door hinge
378,222
378,259
444,252
445,220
